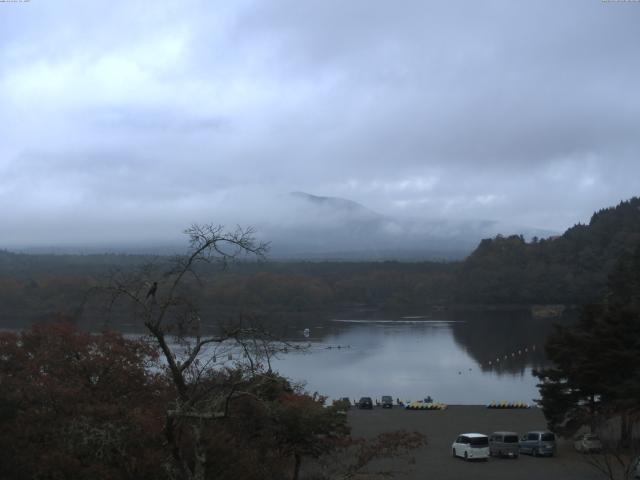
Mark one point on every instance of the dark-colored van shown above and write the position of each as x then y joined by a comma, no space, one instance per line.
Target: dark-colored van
365,402
387,401
504,444
538,443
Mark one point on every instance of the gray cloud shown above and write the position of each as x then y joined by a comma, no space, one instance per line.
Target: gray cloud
136,119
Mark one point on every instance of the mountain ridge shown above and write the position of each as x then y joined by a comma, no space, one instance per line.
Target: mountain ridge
325,227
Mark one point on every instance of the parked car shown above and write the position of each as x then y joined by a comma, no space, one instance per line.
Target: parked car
538,443
365,402
587,443
504,444
387,401
471,446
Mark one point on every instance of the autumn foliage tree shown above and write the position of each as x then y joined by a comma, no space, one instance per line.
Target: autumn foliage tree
79,406
75,405
304,427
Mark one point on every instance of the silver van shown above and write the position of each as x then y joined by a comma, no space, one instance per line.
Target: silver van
538,443
504,444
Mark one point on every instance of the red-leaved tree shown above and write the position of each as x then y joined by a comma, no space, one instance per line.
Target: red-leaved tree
79,406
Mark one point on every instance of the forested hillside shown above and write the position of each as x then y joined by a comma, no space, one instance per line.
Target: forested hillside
568,269
572,268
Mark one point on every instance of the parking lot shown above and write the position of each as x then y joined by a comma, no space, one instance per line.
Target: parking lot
435,461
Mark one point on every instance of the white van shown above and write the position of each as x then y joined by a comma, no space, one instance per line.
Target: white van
471,446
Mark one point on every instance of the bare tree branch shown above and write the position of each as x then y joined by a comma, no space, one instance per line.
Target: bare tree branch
174,315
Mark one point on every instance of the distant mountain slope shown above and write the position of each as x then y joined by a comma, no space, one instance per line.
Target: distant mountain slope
568,268
302,226
334,203
319,227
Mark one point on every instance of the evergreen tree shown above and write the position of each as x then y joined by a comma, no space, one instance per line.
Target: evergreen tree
596,363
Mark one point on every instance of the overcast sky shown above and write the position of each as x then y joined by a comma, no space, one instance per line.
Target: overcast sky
134,119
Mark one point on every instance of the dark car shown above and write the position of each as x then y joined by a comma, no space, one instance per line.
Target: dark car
504,444
365,402
387,401
538,443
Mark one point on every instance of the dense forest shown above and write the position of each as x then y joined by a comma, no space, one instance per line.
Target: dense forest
570,269
593,379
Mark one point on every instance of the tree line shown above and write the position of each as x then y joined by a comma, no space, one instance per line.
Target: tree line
569,269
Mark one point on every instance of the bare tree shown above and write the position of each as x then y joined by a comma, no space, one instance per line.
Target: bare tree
160,295
620,445
213,398
614,462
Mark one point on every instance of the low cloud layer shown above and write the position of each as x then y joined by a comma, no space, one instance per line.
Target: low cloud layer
131,120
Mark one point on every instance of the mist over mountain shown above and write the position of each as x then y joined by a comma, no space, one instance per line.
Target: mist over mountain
319,227
302,226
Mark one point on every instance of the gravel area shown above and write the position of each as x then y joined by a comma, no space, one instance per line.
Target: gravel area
434,461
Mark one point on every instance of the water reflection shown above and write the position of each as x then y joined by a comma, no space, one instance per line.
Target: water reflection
504,342
446,356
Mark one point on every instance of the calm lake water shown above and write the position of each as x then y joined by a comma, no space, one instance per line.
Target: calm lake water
463,358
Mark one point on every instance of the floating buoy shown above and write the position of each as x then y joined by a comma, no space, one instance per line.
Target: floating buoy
508,405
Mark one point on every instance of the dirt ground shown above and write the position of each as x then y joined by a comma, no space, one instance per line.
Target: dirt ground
434,461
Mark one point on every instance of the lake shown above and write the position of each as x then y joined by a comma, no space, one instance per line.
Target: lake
456,358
